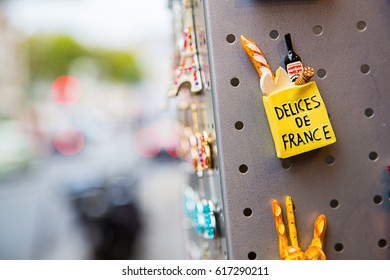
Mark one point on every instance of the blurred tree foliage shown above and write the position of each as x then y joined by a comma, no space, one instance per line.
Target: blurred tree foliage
52,56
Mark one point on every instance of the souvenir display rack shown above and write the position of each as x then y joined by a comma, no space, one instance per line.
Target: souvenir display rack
348,46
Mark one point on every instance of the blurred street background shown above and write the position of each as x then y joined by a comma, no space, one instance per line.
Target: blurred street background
88,164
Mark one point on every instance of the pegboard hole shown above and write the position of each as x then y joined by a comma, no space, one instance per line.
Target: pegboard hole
247,212
239,125
318,30
334,203
243,168
286,164
339,247
369,112
235,82
365,69
321,73
230,38
382,243
361,25
274,34
373,156
330,160
252,255
378,199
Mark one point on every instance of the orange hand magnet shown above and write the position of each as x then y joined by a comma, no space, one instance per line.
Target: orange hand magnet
293,251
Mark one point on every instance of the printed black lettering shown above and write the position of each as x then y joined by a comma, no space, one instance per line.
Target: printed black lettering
279,113
285,141
326,132
179,271
285,110
307,120
298,122
300,140
291,138
307,103
296,106
299,105
308,136
315,101
314,134
124,272
291,109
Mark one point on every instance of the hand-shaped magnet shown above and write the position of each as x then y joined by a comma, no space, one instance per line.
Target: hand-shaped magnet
293,251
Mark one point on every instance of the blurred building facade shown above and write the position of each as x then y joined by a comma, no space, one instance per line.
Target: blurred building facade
13,71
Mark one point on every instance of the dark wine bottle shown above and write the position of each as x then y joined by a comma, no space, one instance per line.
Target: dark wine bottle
292,61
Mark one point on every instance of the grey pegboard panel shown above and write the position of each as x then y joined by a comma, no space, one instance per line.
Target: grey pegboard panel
350,42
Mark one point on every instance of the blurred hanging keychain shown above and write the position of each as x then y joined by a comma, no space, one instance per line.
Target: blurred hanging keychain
201,213
200,142
296,113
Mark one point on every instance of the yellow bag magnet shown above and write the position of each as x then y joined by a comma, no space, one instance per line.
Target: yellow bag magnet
298,120
296,112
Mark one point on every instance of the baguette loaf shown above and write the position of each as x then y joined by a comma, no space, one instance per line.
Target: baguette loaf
256,56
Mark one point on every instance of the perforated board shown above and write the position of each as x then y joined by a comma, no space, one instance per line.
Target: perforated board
348,43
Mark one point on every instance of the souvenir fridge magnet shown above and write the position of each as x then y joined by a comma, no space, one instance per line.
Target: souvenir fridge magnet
293,251
296,113
188,70
199,144
201,213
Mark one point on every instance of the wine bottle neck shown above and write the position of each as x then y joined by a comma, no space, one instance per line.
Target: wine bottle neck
287,38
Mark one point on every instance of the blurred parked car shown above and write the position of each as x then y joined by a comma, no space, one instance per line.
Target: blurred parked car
158,140
109,211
